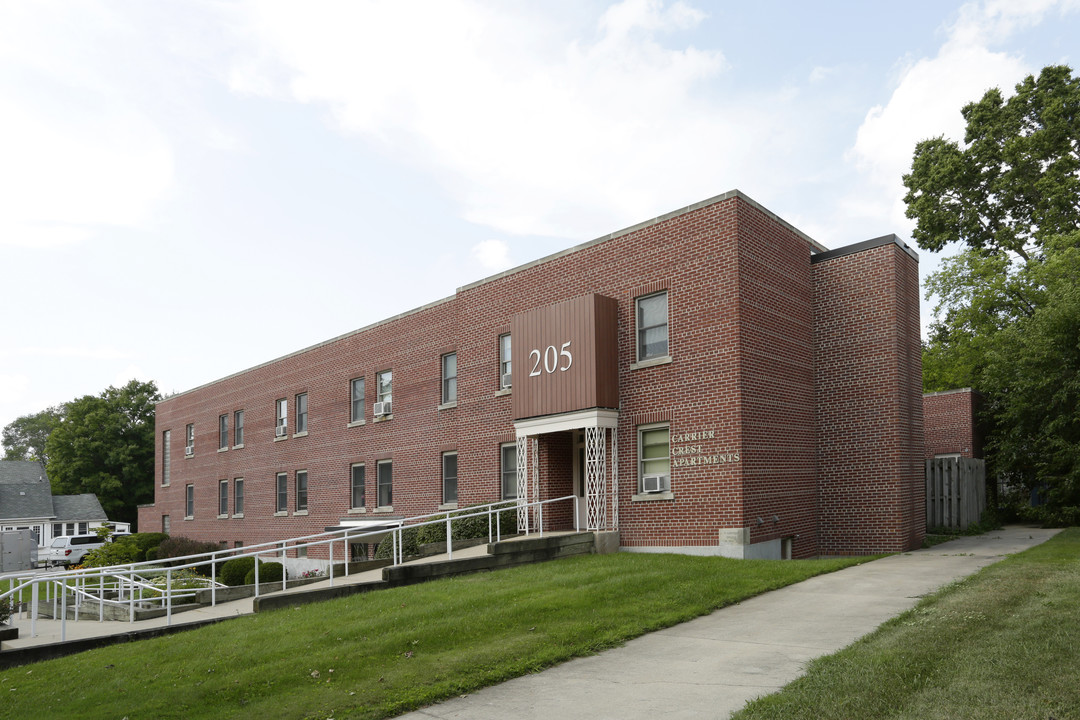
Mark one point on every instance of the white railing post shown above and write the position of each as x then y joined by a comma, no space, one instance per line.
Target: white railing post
540,518
101,597
34,609
168,597
63,613
256,576
213,580
332,562
449,539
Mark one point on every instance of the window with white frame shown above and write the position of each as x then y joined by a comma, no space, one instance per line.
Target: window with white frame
282,503
189,439
504,361
384,472
189,504
652,326
238,496
449,477
238,428
356,393
166,457
508,466
223,497
58,530
356,482
84,528
384,386
223,431
301,490
449,378
301,413
654,458
281,417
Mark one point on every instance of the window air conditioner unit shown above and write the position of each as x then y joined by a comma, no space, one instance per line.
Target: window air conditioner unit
281,431
506,380
189,450
381,408
654,483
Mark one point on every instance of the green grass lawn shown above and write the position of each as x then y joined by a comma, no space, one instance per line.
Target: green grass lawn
380,654
1002,644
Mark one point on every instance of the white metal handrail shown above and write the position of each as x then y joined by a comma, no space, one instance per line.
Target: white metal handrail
128,575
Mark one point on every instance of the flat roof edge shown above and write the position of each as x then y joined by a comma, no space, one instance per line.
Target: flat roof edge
648,223
864,246
952,392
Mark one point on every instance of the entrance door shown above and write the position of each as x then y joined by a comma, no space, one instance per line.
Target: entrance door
579,478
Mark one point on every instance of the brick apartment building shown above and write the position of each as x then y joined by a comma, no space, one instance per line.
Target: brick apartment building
711,381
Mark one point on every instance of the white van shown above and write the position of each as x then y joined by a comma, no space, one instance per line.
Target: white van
69,550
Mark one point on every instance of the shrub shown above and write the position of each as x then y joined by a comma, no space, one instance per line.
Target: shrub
468,528
180,546
409,544
7,609
268,572
234,571
128,549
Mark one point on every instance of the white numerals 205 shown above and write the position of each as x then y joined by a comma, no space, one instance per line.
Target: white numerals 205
553,359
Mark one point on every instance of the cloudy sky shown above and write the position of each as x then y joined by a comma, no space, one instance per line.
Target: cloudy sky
191,188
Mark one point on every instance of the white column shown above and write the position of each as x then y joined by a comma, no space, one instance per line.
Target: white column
595,479
523,483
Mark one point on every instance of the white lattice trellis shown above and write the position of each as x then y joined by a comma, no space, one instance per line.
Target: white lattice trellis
595,478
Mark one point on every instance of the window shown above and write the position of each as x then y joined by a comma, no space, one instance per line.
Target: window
282,493
654,457
301,490
357,486
57,529
166,457
165,525
384,472
449,477
509,470
652,326
83,528
449,378
223,497
69,529
504,361
238,428
223,431
189,505
356,392
384,383
238,496
301,413
189,439
281,422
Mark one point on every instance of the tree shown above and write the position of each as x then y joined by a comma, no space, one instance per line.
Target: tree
1032,380
1008,313
24,438
105,446
1014,183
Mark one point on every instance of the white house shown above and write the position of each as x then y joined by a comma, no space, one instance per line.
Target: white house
27,503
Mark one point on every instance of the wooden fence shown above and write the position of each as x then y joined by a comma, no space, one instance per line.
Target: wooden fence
955,492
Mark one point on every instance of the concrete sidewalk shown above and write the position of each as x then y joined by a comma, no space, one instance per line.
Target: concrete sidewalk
710,667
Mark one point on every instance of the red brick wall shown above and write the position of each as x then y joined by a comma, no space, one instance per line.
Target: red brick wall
757,337
951,425
868,379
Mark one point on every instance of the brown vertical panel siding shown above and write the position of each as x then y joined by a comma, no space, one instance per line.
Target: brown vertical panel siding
587,377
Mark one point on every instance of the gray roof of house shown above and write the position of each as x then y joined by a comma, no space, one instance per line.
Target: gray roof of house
25,501
18,472
77,508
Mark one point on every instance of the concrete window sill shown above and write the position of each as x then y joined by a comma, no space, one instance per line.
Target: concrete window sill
652,497
651,362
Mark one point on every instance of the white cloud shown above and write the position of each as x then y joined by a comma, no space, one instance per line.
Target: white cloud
929,95
100,352
77,154
493,255
533,128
